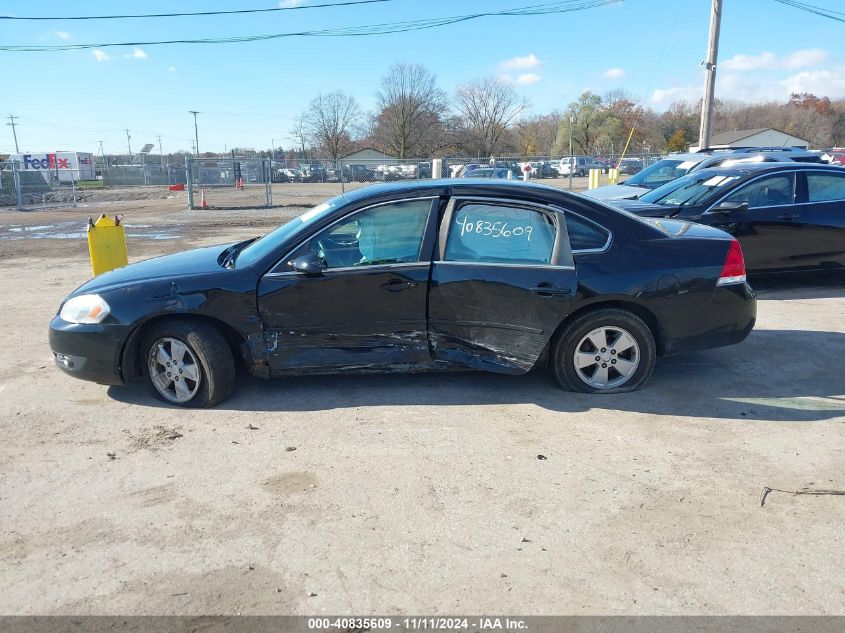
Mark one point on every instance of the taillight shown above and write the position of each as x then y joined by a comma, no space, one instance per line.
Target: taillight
733,272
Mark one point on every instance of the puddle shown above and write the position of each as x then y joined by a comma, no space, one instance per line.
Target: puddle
78,230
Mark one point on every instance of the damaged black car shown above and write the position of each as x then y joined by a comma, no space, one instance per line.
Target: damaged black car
425,275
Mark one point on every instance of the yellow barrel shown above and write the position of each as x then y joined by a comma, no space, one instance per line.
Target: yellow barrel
595,176
106,244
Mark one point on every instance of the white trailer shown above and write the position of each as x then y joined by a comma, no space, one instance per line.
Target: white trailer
61,166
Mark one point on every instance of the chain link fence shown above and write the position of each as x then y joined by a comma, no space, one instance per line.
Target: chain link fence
28,189
242,183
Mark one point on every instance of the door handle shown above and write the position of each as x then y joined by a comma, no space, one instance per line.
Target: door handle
396,285
550,291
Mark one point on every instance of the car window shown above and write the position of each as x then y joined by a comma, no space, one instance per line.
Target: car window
823,187
500,233
388,234
768,191
661,172
584,235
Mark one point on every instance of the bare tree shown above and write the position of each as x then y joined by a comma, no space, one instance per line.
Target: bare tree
329,121
299,133
411,110
488,107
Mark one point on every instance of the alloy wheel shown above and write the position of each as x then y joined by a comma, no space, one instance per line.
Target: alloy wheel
174,370
607,357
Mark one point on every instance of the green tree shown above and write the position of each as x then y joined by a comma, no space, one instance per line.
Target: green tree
677,142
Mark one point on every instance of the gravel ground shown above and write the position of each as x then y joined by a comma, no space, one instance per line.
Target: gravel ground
466,493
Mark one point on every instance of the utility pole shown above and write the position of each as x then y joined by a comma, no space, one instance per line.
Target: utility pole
572,160
12,118
160,152
196,134
272,149
710,76
129,145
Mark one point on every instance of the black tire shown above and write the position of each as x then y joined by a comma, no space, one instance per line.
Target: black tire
566,346
216,365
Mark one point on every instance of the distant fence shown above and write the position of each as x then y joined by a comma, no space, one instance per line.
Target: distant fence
29,189
241,183
235,183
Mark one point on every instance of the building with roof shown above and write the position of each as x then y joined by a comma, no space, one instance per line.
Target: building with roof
756,137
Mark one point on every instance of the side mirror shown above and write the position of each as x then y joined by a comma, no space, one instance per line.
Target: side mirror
308,264
728,207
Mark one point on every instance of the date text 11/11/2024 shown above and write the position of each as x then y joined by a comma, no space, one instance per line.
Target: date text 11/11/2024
418,623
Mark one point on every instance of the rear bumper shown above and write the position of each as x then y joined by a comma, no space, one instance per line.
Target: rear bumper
727,319
88,352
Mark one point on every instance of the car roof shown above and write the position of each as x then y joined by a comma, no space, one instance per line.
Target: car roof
756,168
456,186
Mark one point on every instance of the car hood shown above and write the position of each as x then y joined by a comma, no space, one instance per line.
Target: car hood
616,192
193,262
645,209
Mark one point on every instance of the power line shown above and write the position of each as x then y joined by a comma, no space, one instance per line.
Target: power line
810,8
347,3
562,6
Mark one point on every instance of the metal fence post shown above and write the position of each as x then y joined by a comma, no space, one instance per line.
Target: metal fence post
268,189
189,177
17,178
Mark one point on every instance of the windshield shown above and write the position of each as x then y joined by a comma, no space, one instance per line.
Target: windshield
267,244
661,172
687,190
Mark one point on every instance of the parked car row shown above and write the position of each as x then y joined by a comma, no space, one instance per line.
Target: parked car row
676,165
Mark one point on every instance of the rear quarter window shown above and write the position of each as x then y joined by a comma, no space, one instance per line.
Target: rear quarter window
584,235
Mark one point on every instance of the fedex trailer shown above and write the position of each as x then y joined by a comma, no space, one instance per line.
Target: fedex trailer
61,166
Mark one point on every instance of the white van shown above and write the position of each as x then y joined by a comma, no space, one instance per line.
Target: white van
578,165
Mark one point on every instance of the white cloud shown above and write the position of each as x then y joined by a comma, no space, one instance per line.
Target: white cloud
663,97
748,62
526,79
804,58
613,73
769,61
137,53
287,4
101,56
172,69
822,83
62,35
521,63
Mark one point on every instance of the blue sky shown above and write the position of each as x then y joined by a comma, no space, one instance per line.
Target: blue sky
249,93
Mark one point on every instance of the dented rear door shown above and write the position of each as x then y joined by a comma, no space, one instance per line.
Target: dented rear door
503,281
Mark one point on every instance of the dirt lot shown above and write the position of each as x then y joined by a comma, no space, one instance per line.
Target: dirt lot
424,494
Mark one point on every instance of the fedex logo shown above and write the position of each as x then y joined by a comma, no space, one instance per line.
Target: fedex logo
49,161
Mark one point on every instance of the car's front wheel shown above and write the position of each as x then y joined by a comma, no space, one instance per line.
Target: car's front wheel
187,363
608,351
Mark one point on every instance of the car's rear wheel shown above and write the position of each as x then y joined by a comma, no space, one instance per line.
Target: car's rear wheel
608,350
187,363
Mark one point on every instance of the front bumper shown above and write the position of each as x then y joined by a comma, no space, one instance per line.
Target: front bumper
88,352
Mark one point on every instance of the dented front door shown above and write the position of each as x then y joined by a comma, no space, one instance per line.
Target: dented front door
366,309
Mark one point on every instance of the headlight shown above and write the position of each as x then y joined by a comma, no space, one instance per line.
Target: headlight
85,309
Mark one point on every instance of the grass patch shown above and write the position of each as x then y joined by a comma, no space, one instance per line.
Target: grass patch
90,184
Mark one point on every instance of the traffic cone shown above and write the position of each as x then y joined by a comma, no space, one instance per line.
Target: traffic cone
203,201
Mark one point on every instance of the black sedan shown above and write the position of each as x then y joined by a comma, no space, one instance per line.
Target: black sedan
424,275
788,217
